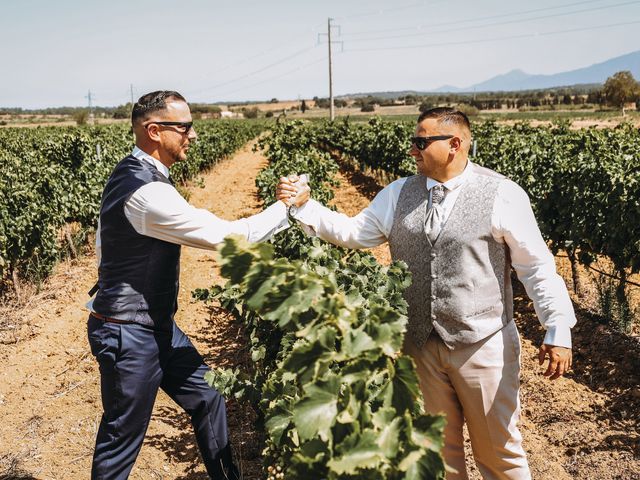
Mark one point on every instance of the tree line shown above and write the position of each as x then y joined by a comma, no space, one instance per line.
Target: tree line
619,91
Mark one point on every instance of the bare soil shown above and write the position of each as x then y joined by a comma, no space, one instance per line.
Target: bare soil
50,393
583,426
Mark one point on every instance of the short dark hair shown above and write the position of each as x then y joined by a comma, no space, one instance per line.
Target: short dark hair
153,102
446,115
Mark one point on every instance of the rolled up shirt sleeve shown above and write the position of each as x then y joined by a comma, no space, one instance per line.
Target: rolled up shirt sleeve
157,210
513,222
369,228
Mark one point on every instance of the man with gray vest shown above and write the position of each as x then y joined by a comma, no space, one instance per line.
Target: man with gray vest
132,333
461,228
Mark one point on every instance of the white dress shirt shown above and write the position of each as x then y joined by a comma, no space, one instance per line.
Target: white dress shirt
157,210
512,222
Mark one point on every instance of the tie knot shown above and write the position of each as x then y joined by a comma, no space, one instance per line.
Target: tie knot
437,194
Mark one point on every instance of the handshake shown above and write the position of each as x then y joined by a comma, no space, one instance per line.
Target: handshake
293,190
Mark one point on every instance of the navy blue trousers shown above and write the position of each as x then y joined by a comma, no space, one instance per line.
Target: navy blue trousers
134,362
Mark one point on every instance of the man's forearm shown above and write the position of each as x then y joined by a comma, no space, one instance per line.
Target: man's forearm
360,231
267,223
551,301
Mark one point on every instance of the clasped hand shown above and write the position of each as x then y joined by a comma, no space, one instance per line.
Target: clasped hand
293,191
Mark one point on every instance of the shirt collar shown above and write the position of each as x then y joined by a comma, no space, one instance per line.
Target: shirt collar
453,183
141,155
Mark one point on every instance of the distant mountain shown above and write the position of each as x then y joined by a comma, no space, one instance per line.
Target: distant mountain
519,80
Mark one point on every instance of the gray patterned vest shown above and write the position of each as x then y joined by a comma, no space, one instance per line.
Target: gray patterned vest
461,284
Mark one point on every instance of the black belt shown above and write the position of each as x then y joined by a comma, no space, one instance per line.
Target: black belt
110,320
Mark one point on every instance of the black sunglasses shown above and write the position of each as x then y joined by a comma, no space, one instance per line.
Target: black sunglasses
185,127
423,142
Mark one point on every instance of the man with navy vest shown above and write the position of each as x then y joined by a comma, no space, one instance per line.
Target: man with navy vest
461,228
132,333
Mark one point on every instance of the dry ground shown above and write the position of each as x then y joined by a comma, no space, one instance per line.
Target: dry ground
49,392
584,426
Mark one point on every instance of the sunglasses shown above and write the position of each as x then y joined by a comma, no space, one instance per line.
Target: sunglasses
184,127
423,142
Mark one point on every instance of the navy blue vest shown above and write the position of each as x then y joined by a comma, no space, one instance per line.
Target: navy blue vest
138,276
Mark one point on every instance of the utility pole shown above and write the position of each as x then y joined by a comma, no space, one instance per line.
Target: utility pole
91,116
332,115
131,112
329,26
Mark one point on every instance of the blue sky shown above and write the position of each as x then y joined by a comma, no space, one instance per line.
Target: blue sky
53,52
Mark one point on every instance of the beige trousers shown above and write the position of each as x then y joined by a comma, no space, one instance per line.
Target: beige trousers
478,384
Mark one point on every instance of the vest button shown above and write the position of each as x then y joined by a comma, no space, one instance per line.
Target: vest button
433,316
433,297
434,276
433,255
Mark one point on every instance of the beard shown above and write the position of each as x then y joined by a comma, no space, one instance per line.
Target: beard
179,153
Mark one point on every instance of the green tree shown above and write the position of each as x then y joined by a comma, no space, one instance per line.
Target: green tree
621,89
81,117
122,111
252,112
424,106
321,102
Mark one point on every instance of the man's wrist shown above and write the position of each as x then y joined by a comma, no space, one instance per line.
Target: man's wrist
295,211
558,336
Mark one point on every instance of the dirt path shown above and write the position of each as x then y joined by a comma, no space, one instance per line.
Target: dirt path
583,426
49,388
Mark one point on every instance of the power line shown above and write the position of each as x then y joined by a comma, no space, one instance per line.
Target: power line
473,19
270,79
493,39
288,43
242,77
475,27
389,10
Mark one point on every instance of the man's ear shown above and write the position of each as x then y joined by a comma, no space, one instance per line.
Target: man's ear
153,132
455,144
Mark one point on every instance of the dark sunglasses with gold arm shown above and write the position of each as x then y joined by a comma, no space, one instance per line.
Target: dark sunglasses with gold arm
423,142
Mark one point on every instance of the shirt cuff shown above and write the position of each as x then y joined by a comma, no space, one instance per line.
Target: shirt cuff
308,216
558,336
307,213
267,223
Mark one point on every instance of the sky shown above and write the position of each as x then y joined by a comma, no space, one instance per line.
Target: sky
52,53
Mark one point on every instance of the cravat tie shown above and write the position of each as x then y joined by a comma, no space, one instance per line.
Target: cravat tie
433,222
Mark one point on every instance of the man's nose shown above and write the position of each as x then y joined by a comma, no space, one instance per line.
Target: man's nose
192,134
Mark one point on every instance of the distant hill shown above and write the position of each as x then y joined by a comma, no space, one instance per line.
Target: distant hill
520,80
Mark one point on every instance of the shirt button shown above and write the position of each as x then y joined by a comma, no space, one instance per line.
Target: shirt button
433,297
434,276
433,316
433,255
